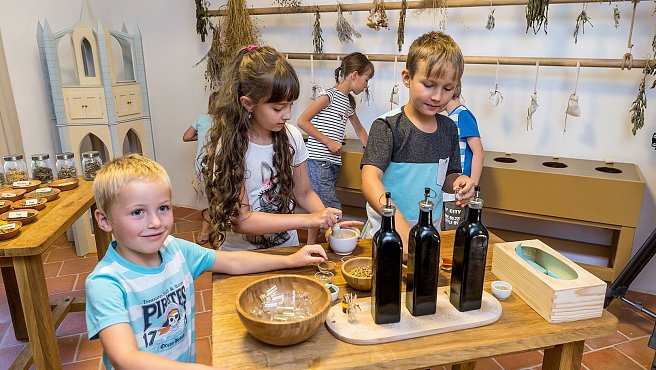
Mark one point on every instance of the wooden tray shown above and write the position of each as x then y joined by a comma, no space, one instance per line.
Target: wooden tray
446,319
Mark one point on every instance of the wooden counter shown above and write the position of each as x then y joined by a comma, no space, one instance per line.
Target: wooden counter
519,329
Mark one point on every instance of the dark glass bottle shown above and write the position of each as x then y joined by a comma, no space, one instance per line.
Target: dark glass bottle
423,261
469,254
386,256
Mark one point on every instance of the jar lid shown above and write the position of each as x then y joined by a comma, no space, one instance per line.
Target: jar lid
13,157
91,154
40,156
65,155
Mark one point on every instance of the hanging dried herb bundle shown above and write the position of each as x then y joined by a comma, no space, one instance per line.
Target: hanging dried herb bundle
288,3
317,39
345,32
400,33
616,16
581,20
537,12
638,108
201,18
213,69
377,17
490,20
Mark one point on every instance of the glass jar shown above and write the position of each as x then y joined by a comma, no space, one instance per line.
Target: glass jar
15,168
41,167
91,163
66,167
2,176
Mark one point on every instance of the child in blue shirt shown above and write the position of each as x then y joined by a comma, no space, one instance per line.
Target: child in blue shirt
140,296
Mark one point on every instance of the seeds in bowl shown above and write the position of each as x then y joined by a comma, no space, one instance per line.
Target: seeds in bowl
361,272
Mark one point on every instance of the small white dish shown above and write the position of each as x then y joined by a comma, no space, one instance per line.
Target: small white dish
346,243
501,289
334,291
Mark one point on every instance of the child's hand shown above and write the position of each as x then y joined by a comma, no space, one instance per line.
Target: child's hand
325,218
312,253
335,147
464,189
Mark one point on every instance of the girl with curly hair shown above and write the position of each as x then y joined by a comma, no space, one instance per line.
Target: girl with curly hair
254,168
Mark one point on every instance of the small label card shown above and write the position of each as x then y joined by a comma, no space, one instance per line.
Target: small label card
8,195
20,183
7,226
31,202
44,190
20,214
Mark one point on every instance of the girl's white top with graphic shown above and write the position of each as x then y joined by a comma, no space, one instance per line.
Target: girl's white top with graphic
330,121
263,196
157,302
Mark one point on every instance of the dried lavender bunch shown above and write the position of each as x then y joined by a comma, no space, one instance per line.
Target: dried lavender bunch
400,33
345,32
490,21
581,20
317,39
537,12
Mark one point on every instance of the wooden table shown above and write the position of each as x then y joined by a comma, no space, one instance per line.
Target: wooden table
34,317
519,329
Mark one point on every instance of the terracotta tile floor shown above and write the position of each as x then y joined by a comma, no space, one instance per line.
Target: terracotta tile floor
65,274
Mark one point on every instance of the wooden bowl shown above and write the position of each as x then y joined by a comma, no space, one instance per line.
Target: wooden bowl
355,282
49,195
22,204
4,234
23,220
12,194
31,185
5,205
65,184
283,333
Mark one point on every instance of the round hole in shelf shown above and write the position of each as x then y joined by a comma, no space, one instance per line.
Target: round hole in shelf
505,160
608,169
554,164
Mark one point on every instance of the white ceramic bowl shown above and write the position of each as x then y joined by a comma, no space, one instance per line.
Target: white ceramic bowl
501,289
333,295
346,244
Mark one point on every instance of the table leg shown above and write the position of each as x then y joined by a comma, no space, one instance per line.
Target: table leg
566,356
102,238
14,302
36,307
464,366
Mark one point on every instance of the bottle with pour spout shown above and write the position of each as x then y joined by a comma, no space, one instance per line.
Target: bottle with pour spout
469,255
423,261
386,256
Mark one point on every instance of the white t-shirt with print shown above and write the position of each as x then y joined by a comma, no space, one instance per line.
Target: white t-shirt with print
261,195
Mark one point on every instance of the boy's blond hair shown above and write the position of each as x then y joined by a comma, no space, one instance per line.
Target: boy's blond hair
115,175
439,51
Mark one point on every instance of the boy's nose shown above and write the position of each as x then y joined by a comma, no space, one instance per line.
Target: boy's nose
154,221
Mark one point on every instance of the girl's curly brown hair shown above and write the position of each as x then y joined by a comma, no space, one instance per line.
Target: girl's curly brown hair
264,76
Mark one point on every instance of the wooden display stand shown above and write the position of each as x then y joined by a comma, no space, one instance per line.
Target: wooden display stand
446,319
567,190
566,292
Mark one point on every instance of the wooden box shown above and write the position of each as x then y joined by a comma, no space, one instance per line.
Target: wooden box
555,287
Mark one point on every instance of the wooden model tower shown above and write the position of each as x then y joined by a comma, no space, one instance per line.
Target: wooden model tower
99,110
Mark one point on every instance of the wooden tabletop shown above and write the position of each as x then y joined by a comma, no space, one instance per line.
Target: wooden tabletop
50,223
519,329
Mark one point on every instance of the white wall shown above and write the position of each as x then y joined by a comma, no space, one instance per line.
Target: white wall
177,94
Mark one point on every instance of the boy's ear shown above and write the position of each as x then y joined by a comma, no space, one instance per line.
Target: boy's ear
246,102
405,76
103,221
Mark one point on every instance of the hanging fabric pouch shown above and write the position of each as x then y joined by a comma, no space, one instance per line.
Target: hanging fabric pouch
573,108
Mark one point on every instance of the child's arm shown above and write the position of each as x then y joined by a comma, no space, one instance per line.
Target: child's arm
190,135
120,346
374,191
476,146
257,223
359,129
305,124
245,262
